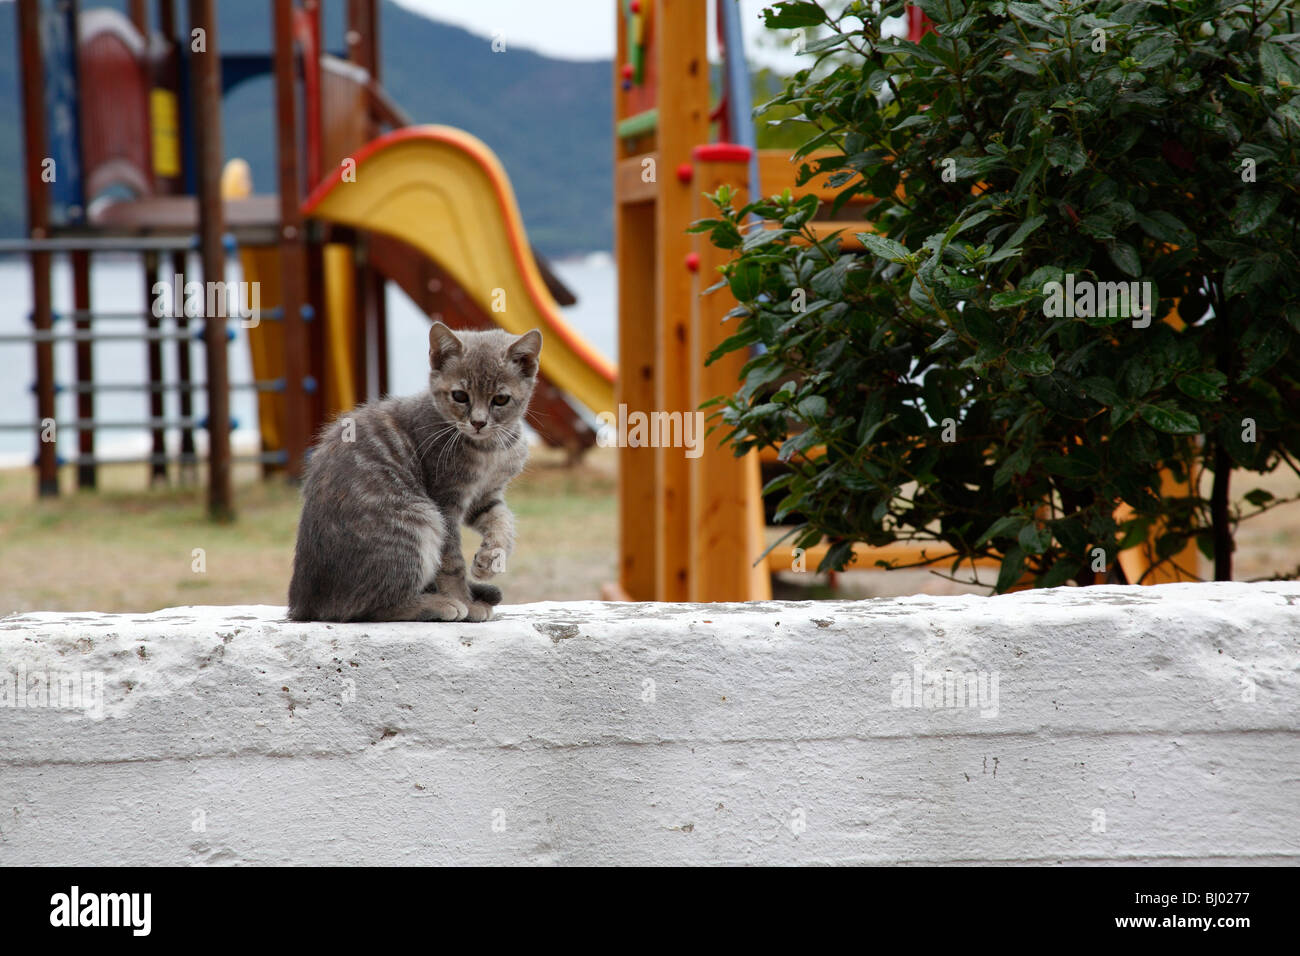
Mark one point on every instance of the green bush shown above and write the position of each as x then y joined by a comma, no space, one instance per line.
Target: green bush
931,389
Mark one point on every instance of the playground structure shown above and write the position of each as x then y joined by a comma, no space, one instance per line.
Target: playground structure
694,529
112,103
430,209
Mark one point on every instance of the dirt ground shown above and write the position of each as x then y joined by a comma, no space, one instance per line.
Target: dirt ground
130,548
126,547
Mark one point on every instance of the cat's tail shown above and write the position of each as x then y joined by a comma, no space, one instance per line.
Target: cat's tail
487,593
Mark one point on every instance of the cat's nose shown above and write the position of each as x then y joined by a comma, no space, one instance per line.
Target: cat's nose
478,425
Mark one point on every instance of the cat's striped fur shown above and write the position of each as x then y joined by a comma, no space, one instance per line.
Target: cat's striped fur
389,485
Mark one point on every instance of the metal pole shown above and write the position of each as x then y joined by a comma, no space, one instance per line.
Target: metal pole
205,92
35,149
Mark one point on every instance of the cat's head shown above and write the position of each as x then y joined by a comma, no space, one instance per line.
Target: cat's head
482,381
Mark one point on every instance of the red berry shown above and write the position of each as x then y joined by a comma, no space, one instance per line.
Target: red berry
693,261
636,6
628,71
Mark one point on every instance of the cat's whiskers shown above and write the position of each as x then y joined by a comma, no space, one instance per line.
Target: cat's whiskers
447,449
427,442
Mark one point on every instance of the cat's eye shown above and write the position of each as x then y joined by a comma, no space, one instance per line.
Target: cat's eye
500,399
459,396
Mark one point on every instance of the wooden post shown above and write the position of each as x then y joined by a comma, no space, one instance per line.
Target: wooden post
35,150
205,84
380,306
367,289
184,375
167,19
680,49
634,256
154,362
314,294
166,87
81,303
176,262
363,36
293,260
726,507
372,311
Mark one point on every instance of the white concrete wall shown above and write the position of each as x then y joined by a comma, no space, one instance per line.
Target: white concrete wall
1132,724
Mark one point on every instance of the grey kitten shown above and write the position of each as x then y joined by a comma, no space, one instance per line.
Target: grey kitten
389,485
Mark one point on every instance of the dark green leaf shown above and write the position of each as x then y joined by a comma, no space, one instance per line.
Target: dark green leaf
1203,385
1035,540
1171,420
1031,363
1125,258
884,247
1254,206
790,14
1012,566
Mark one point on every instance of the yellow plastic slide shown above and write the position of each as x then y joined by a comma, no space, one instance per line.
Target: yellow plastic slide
444,192
261,265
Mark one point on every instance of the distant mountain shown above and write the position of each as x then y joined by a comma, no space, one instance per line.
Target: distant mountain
548,120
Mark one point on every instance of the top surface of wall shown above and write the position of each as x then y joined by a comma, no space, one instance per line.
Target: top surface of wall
1074,725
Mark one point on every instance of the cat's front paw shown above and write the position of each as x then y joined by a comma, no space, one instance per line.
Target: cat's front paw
479,611
489,562
447,609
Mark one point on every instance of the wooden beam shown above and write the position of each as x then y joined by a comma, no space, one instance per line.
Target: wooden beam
634,257
184,375
154,363
363,36
680,52
372,314
848,231
726,507
293,258
167,19
205,93
35,149
634,238
85,359
776,173
768,454
630,184
782,557
140,17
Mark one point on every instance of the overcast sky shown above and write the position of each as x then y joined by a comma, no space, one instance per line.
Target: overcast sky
579,29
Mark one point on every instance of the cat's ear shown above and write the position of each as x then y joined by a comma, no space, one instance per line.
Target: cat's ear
443,344
524,350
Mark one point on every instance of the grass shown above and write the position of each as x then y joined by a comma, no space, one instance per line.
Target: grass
126,547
